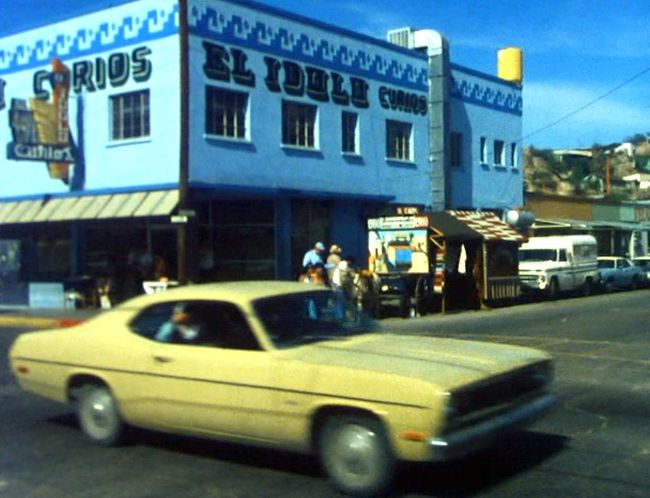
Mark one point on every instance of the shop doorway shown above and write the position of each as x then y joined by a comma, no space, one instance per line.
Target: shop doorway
310,224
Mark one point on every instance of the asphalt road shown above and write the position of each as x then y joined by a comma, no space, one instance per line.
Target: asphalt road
596,443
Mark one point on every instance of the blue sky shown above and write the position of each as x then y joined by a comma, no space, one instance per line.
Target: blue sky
575,52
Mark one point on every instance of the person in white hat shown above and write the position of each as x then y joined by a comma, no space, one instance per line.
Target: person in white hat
333,261
314,257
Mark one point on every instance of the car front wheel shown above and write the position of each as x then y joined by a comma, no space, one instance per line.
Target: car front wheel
356,455
98,415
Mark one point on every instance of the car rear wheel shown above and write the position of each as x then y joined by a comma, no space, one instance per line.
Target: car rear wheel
98,415
356,455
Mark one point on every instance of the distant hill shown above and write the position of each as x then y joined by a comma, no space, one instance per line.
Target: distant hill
596,172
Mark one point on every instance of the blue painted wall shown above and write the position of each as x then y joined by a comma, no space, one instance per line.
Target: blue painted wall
481,105
485,106
262,162
108,164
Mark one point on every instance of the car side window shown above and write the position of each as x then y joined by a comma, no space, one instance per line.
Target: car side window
622,263
149,321
198,323
227,327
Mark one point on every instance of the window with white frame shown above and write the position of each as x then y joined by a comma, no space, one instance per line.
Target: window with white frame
299,124
499,153
349,132
483,151
514,155
130,115
226,113
456,149
398,140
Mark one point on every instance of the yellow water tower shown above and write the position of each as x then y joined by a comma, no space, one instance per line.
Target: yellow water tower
510,64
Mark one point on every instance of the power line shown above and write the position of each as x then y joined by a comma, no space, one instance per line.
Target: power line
589,104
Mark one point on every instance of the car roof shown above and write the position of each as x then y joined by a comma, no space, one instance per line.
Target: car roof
228,291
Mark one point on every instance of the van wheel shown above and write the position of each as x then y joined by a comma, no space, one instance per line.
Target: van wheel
553,289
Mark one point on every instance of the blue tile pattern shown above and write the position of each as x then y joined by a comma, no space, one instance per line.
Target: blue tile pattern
303,43
505,99
274,36
131,29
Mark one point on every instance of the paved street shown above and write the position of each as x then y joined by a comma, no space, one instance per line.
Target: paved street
595,443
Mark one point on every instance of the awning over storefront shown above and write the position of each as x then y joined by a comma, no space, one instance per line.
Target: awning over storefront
89,207
547,224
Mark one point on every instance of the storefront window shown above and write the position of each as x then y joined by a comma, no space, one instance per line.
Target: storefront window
53,257
239,244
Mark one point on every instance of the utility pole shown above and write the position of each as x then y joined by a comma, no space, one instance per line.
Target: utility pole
183,182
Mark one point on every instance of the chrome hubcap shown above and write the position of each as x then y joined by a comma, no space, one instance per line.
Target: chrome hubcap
355,451
98,416
99,412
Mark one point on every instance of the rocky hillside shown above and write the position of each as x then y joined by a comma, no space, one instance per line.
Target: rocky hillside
585,171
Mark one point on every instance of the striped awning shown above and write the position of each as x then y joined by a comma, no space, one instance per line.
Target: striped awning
488,225
89,207
473,225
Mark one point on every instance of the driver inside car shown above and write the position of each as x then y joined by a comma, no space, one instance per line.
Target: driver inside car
181,328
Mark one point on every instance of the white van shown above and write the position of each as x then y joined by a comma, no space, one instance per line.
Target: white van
559,263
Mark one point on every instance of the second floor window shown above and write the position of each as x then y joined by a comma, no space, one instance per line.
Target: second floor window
483,152
398,140
514,154
130,115
298,124
225,113
499,153
350,142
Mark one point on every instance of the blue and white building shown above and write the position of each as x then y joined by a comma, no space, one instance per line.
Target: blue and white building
241,137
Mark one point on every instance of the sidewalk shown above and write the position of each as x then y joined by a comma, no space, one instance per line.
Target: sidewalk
37,318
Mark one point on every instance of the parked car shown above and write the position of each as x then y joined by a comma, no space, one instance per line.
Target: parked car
643,262
283,364
618,273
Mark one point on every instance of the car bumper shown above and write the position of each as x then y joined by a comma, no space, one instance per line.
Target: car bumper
482,435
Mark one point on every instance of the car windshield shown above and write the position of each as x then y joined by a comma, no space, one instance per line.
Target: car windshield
301,318
537,254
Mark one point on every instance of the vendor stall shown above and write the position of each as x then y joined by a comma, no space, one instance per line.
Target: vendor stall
444,260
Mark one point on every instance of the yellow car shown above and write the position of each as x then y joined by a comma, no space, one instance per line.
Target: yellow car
286,365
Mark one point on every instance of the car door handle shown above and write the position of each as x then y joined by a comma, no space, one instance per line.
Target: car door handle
162,359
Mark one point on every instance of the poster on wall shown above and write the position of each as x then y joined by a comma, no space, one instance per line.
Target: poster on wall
40,128
397,251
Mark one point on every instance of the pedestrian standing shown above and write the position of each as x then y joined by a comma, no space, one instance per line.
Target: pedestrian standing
333,261
314,257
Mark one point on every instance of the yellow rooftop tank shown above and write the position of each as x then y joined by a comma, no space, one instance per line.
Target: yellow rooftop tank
510,64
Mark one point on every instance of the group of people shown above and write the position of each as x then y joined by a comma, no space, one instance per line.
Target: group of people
332,270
